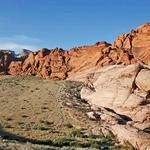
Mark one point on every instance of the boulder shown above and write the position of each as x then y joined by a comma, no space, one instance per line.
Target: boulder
126,133
113,86
143,80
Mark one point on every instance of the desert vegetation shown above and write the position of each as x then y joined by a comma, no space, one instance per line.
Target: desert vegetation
58,118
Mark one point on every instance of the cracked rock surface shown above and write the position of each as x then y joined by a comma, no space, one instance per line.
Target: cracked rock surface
123,91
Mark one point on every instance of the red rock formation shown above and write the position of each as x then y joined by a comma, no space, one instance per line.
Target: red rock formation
137,42
85,57
46,63
15,68
59,64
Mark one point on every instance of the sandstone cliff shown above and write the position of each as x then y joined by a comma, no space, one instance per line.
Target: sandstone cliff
121,97
130,48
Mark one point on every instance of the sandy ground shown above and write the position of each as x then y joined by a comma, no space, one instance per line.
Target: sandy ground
32,107
36,111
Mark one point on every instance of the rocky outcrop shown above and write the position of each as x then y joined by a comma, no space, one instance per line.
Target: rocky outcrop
15,68
137,42
57,63
123,90
130,48
86,57
6,56
46,63
60,64
143,80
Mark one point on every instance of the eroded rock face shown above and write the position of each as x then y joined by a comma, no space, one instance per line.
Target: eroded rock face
15,68
113,86
6,57
138,138
137,42
143,80
59,64
46,63
123,91
85,57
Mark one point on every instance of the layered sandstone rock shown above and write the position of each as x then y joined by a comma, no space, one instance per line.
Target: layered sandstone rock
46,63
65,64
59,64
123,90
15,68
143,80
137,42
86,57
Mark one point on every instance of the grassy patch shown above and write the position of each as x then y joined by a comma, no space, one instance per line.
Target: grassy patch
6,125
63,142
76,133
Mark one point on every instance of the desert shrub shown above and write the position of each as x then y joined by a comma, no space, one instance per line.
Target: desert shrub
63,142
45,122
6,125
76,133
68,125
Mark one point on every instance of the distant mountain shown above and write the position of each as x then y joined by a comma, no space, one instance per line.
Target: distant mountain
24,53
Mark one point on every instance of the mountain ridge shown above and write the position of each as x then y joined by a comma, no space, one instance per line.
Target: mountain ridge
130,48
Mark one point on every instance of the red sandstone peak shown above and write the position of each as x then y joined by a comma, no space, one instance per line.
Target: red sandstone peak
102,44
145,28
57,63
136,42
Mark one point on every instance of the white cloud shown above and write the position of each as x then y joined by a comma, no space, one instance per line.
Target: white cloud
15,46
20,38
18,42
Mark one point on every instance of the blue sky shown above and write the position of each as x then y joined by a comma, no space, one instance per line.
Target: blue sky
34,24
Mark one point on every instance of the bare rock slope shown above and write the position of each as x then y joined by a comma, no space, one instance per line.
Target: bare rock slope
124,92
130,48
